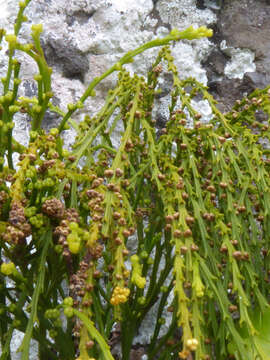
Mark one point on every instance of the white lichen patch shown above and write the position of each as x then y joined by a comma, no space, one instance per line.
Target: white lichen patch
188,55
213,4
242,61
184,13
204,109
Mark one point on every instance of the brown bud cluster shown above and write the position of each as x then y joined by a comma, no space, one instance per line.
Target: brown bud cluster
46,165
16,215
208,216
54,208
239,255
14,235
97,182
19,228
129,145
3,198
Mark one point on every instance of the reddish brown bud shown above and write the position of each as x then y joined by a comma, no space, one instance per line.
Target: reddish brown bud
108,173
89,344
180,171
177,233
222,139
233,308
237,255
187,233
223,185
122,221
96,274
185,195
161,176
89,287
183,249
116,215
223,249
211,188
126,233
131,230
169,219
194,247
180,185
190,220
183,146
119,172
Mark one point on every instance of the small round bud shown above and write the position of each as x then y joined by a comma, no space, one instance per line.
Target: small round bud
8,268
68,301
68,311
37,29
11,39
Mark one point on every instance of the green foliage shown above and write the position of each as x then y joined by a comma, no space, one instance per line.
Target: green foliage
194,201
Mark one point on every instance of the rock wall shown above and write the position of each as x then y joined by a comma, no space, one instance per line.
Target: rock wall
86,37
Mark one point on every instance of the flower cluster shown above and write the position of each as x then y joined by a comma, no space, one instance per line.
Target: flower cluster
119,295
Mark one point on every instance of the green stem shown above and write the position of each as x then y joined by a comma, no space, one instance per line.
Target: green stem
24,348
104,347
128,327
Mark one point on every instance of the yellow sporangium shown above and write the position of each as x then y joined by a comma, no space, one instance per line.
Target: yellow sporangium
183,354
11,39
120,295
192,344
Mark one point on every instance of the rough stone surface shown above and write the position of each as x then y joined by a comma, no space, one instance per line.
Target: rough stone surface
85,38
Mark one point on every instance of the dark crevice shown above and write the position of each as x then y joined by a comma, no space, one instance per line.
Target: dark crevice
154,14
80,16
200,4
66,57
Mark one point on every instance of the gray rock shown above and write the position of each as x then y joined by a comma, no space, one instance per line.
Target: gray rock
65,57
257,79
215,63
243,23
